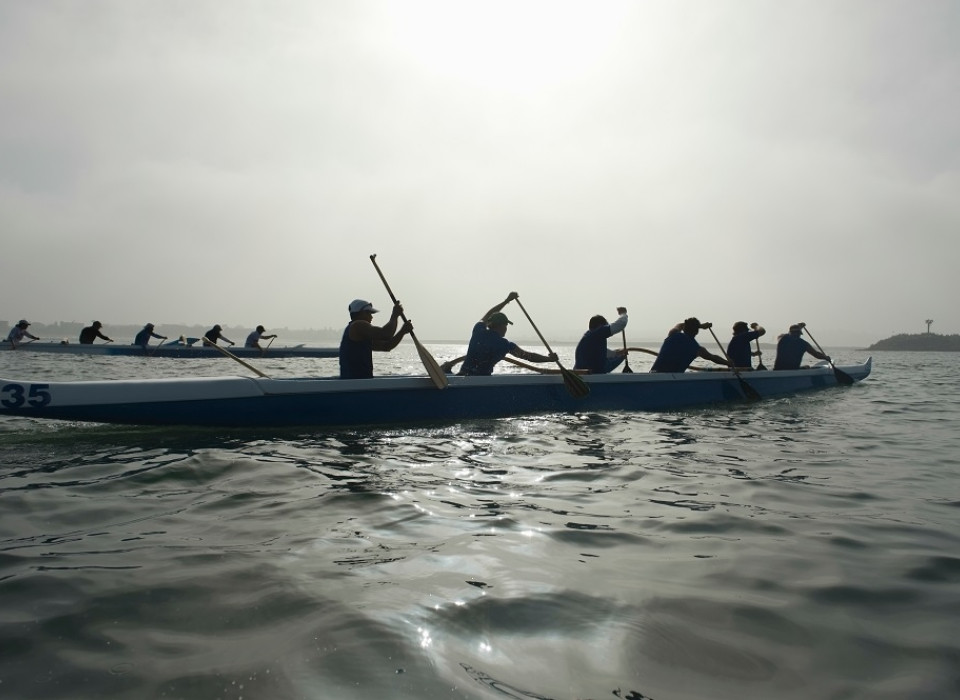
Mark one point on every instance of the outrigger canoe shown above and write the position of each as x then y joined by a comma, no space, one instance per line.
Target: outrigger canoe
178,350
265,402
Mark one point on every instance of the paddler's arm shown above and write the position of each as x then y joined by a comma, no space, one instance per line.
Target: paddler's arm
499,307
707,355
361,329
621,322
533,356
391,343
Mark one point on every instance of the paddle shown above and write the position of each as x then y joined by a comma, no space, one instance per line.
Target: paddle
759,355
207,341
437,375
751,393
842,377
157,346
626,354
575,385
263,351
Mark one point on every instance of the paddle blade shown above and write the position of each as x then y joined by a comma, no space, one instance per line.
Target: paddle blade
842,377
575,385
436,374
751,393
626,368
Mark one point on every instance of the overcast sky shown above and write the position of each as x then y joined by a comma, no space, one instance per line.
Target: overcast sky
237,163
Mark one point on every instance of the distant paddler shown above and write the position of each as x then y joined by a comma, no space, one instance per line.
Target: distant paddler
215,334
92,332
143,337
258,334
18,333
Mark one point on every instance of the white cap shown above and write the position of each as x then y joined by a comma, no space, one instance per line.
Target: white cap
358,305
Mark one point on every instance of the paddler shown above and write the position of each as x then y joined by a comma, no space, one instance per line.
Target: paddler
592,354
488,343
361,338
680,348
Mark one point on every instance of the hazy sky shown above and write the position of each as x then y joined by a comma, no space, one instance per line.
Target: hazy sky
237,162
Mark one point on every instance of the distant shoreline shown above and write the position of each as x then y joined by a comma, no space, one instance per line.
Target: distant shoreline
921,342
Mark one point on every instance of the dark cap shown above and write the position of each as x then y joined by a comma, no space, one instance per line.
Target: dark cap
260,329
796,328
498,319
24,322
97,324
740,326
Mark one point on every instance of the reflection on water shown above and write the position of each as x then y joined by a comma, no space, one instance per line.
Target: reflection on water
796,548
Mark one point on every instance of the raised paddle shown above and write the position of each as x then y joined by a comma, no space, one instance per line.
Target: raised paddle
229,354
626,354
842,377
437,375
751,393
575,385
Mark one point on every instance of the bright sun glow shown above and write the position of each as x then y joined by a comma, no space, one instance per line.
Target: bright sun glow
521,46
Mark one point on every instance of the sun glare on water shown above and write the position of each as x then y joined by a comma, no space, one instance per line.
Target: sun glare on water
513,46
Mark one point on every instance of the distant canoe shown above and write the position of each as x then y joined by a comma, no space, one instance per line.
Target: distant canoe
177,350
264,402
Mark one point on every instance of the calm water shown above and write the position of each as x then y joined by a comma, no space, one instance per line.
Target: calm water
797,548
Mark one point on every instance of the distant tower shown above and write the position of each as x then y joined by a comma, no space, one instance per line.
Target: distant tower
929,323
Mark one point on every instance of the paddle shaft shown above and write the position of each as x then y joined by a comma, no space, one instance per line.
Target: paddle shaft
750,392
575,385
536,330
817,344
234,357
393,298
759,355
626,354
842,377
437,375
